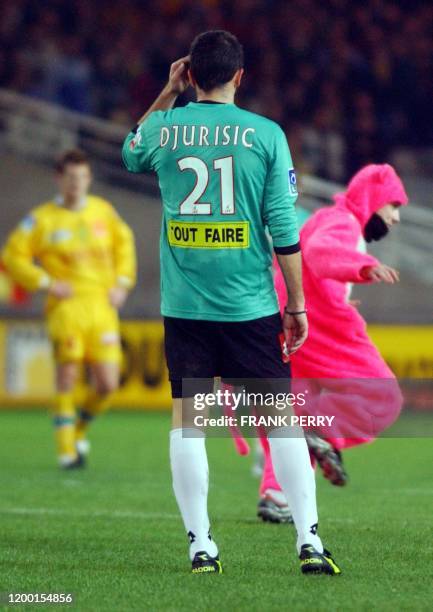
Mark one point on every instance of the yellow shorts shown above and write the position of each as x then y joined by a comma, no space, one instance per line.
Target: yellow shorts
84,329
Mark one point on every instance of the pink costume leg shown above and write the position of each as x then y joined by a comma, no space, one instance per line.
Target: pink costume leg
268,479
343,443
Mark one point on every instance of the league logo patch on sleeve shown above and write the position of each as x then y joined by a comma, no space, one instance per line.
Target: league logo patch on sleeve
135,141
27,223
293,187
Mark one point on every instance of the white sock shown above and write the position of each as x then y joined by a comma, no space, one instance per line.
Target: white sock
83,446
190,471
295,475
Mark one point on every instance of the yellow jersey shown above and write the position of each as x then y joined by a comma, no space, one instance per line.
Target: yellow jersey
92,248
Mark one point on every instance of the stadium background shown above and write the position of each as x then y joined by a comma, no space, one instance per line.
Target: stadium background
351,82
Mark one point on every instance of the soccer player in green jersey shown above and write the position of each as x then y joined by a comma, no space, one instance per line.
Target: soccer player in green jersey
227,183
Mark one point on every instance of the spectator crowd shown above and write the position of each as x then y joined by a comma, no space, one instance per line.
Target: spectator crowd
349,81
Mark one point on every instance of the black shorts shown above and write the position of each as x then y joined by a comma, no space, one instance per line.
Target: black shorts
232,350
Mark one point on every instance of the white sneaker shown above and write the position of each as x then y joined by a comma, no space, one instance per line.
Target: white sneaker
66,460
273,507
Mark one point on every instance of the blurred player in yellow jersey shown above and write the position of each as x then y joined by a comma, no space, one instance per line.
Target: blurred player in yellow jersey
77,249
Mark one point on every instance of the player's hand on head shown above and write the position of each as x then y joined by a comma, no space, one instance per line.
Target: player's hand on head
178,79
295,328
117,296
60,289
381,274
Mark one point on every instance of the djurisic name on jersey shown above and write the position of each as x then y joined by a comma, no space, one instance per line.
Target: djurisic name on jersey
203,136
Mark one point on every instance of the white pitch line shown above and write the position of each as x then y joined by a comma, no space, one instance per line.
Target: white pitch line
127,514
116,514
409,491
342,519
120,514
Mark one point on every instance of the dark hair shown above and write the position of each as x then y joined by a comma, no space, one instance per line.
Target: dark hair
73,156
215,57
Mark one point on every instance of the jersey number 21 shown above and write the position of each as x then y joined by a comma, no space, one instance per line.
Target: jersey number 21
191,205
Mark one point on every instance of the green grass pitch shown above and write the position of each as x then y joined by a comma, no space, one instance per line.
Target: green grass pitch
112,536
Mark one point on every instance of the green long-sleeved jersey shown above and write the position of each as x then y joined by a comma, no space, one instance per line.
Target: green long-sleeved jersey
227,183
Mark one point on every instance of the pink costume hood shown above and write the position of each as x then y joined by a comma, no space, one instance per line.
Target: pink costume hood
371,188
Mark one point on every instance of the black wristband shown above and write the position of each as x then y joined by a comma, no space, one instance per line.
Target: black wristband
288,250
294,312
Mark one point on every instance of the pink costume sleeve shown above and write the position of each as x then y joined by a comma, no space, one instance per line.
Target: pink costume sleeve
330,252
